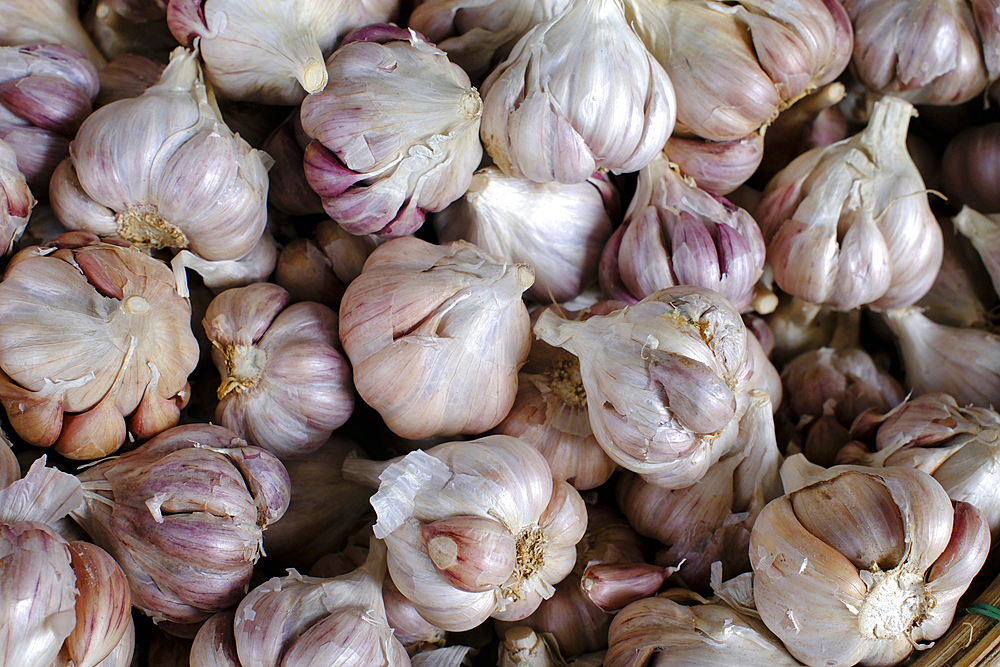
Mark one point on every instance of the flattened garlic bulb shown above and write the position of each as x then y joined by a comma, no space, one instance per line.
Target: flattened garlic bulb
436,335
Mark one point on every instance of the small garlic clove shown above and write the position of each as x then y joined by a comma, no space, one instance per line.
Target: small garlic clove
103,605
473,553
613,587
696,396
215,643
717,166
92,434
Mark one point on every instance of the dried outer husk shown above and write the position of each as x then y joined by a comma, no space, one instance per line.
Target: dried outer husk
48,21
10,468
121,305
849,224
676,233
970,168
857,565
183,514
436,335
557,228
466,486
670,375
267,52
306,620
187,183
395,132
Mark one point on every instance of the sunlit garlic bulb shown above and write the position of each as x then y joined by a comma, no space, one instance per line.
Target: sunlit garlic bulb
186,183
578,93
849,224
267,52
474,529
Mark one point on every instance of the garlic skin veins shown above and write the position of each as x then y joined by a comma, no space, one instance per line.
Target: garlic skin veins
856,565
268,52
187,183
577,93
16,200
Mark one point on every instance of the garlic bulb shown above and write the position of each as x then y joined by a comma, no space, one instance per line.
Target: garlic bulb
717,166
285,385
578,93
46,91
223,274
436,335
962,294
970,168
736,65
16,200
186,183
675,233
474,529
856,565
395,132
557,228
266,52
849,224
937,358
47,21
120,306
667,377
183,514
289,191
984,233
297,620
925,51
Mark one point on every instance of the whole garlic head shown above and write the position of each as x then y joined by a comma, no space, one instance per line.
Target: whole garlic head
164,171
578,93
436,335
849,224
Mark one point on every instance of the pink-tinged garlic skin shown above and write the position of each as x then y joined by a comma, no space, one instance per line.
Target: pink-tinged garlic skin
736,65
289,191
849,224
186,182
577,93
48,22
436,335
675,233
118,346
16,200
183,514
215,643
717,166
103,605
925,51
46,92
395,132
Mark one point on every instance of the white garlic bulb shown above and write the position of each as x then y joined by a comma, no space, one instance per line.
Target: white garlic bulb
164,171
16,200
436,335
578,93
666,379
474,529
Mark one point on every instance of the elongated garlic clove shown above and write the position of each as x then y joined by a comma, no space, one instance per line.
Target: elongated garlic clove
546,109
422,116
419,313
190,184
103,605
849,224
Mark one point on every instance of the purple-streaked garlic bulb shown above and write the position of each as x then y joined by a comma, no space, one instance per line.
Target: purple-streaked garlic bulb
736,65
16,200
183,515
666,380
970,168
857,565
47,22
557,228
285,384
395,132
849,224
185,182
940,52
95,345
577,93
436,335
717,166
46,92
474,529
270,52
675,233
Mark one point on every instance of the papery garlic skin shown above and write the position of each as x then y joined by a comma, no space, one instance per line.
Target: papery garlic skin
187,183
122,306
266,52
859,566
436,335
670,375
48,21
223,274
395,132
16,200
558,229
103,605
849,224
717,166
984,233
675,233
578,93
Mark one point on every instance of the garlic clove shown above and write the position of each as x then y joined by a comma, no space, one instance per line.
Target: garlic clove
717,166
215,643
103,605
613,587
698,398
92,434
473,553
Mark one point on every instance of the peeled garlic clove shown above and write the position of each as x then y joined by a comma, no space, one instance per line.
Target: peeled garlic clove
215,643
190,184
419,313
16,202
474,554
421,115
559,229
103,605
546,109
